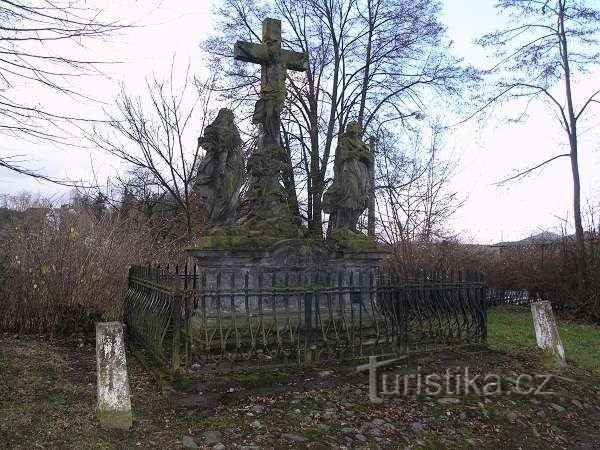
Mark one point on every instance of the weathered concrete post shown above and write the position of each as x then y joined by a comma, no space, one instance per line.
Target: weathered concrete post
114,404
546,334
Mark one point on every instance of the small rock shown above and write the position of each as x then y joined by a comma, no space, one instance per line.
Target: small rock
417,426
249,447
294,437
323,427
212,437
188,442
256,424
377,422
541,414
448,401
512,417
462,415
325,373
577,403
375,432
329,415
219,446
361,438
388,428
535,432
257,409
557,407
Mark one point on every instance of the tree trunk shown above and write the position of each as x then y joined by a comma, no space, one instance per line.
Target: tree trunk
316,224
371,208
572,131
289,181
367,70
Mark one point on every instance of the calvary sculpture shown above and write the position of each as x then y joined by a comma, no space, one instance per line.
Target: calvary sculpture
267,220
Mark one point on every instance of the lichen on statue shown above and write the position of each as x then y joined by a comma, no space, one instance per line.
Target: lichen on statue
251,233
348,196
220,174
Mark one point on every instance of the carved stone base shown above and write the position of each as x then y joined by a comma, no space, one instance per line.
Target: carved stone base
305,261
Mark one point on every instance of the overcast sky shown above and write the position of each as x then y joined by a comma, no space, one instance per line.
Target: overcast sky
488,151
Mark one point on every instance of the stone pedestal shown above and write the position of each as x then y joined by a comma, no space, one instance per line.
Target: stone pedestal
300,260
114,404
292,266
546,334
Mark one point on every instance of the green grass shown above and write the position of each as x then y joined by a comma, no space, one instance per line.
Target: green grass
511,329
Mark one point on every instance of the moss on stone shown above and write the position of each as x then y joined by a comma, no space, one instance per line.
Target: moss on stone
253,234
344,239
115,419
264,233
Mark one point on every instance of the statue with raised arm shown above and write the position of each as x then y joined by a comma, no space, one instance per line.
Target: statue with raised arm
220,174
348,196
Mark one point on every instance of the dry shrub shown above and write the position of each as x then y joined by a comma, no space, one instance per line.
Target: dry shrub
445,256
62,269
546,270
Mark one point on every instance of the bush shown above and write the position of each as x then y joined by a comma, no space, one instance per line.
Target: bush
63,269
545,269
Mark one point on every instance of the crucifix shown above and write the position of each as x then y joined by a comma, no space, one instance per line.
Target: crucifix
265,165
275,62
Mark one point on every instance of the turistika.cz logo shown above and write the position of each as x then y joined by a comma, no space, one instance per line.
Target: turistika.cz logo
452,382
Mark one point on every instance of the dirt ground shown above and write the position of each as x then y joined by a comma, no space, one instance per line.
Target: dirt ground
48,395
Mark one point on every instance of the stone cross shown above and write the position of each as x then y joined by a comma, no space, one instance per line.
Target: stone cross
265,194
275,62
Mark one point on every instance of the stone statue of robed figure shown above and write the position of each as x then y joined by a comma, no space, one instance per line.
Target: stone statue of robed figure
220,174
348,196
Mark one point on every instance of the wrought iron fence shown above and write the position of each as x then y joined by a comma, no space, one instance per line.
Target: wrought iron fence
518,297
231,318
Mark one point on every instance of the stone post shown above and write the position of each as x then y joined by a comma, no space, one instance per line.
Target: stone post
114,404
546,334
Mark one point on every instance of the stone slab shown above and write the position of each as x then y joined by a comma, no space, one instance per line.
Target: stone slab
546,334
114,403
290,254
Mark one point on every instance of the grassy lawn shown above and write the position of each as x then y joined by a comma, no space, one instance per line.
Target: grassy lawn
510,329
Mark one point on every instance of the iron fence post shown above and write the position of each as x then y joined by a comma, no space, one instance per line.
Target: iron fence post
483,308
176,351
308,328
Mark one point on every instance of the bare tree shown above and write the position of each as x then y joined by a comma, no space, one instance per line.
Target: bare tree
151,135
414,199
539,53
42,46
370,60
